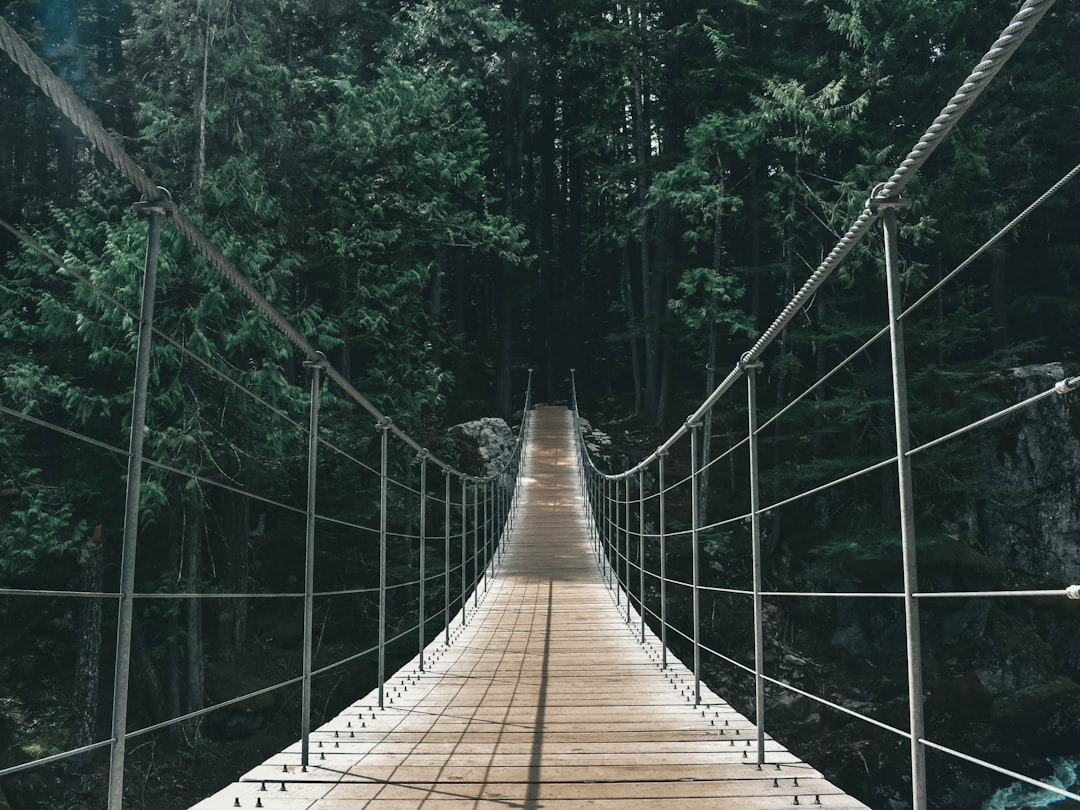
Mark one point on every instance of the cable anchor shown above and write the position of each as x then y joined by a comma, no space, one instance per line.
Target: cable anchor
319,361
875,202
747,361
1067,385
163,205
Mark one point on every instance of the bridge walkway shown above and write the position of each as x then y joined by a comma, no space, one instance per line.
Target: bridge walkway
545,698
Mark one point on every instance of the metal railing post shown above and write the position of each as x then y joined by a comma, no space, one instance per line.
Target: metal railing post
693,427
662,531
618,546
155,209
316,367
626,533
476,546
607,531
641,550
755,526
487,533
464,541
423,548
446,557
384,439
888,209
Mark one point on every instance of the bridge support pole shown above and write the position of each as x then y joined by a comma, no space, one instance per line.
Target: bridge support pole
888,209
155,209
693,427
316,366
608,559
755,525
476,544
446,556
641,549
662,530
626,542
384,437
464,542
488,491
423,549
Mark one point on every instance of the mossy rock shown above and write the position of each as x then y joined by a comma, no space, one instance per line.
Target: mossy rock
1042,718
951,563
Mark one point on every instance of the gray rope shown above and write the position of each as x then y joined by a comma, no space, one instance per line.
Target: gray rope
68,103
989,66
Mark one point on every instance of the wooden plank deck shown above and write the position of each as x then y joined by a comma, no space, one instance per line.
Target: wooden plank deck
544,699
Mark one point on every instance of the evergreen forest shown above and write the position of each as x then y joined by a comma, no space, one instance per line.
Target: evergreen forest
450,197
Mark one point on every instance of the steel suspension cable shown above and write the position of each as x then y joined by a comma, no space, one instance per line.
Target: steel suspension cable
1003,48
61,94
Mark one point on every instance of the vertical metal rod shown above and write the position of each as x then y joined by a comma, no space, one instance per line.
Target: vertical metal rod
606,502
316,367
598,506
618,546
487,532
662,530
464,541
693,426
126,608
446,557
907,508
626,565
384,430
641,549
423,549
595,503
755,527
476,546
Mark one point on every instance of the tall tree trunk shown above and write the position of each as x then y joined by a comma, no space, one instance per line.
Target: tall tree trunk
999,302
515,100
632,329
642,152
84,700
233,613
193,636
710,367
200,114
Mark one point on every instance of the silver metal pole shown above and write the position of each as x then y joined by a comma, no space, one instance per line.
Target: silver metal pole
464,542
641,549
446,558
693,427
476,546
316,367
487,533
384,428
126,608
755,524
907,502
423,547
607,531
626,533
618,545
662,530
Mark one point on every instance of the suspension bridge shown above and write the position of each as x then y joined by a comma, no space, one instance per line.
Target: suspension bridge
544,697
543,675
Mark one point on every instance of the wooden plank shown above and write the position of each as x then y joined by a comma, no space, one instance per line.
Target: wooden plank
545,698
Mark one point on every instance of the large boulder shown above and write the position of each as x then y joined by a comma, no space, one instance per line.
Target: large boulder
486,443
1028,512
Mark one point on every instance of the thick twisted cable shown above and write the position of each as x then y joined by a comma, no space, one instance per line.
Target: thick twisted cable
993,60
68,103
989,66
61,94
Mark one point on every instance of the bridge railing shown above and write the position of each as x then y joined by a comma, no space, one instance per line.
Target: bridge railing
240,494
635,535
